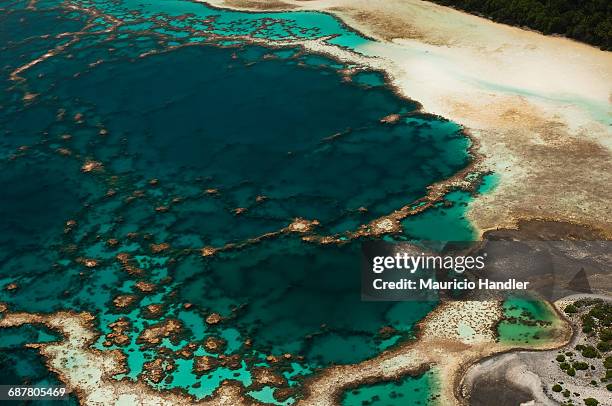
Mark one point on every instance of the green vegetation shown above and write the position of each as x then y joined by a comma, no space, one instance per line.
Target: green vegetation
566,393
595,317
586,20
609,387
581,366
590,402
601,320
588,351
588,323
602,312
605,334
557,388
570,308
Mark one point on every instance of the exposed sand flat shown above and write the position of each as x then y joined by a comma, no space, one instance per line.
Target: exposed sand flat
539,106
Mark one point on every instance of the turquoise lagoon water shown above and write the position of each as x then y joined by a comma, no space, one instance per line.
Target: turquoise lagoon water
527,321
189,121
419,390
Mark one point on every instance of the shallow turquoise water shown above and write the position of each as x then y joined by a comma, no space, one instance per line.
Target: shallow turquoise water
489,182
410,390
444,222
528,321
271,130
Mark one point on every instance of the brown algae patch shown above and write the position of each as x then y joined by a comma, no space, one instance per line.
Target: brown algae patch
118,335
213,318
123,302
153,335
92,166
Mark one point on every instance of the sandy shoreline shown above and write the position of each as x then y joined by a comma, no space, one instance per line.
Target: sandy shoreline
539,107
450,339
